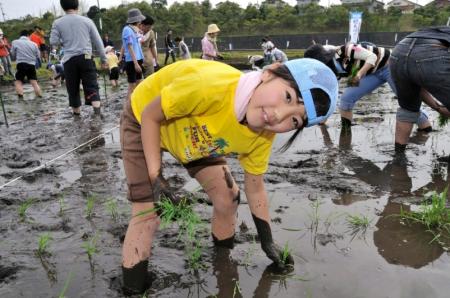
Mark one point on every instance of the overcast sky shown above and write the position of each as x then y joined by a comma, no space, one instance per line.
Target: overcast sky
19,8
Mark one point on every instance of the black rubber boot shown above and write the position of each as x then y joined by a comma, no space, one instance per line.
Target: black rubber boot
346,124
136,280
400,148
228,243
97,111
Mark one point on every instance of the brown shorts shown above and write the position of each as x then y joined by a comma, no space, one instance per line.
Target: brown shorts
139,186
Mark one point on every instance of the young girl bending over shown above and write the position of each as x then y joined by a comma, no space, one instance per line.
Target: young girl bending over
200,111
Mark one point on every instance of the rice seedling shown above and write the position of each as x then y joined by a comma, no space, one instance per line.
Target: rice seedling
111,207
442,120
249,253
237,289
90,247
23,209
62,294
43,245
194,257
90,206
351,82
433,214
285,253
357,225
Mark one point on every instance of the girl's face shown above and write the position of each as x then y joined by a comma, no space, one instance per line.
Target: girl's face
274,106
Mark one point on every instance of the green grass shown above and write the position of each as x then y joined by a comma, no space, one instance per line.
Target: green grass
90,203
111,207
357,225
22,211
43,244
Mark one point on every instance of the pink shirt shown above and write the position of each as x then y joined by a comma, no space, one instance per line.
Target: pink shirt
208,48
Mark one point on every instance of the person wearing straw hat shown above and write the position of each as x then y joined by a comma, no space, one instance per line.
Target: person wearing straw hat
209,44
134,57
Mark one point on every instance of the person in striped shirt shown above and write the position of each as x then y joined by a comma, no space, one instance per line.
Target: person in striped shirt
366,67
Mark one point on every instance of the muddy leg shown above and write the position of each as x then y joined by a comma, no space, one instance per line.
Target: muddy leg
224,194
37,89
19,88
402,131
137,248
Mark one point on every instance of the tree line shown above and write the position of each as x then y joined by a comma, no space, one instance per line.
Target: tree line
191,18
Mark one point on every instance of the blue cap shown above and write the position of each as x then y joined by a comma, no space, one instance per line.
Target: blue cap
309,74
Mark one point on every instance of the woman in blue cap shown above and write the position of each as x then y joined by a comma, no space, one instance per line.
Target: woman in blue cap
201,111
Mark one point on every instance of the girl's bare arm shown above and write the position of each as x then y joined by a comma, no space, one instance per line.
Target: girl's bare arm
152,116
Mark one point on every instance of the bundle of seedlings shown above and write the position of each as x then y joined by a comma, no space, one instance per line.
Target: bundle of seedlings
353,80
434,214
190,226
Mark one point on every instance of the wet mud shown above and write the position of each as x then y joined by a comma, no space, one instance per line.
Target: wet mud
324,177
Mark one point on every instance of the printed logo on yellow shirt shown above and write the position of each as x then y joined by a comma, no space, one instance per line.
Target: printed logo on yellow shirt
201,142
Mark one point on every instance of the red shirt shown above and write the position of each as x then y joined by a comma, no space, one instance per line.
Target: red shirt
36,38
4,47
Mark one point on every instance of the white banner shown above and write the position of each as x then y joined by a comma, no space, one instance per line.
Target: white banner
355,26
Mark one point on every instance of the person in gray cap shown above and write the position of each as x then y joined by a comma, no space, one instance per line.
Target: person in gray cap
76,34
131,47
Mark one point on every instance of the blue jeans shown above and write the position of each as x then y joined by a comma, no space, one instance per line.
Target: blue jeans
420,63
368,84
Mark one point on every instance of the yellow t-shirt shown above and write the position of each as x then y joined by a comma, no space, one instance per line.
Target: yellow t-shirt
197,99
112,60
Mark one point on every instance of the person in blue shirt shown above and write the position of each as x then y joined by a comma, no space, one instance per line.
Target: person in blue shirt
131,47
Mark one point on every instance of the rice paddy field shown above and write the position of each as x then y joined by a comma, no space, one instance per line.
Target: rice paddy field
358,221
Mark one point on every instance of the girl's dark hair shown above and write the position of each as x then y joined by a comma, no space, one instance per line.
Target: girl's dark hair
69,4
320,98
318,52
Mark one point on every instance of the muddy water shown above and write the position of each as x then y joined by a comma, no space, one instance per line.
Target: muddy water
321,179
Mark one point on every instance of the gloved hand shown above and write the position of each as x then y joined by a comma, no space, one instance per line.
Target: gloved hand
272,250
161,189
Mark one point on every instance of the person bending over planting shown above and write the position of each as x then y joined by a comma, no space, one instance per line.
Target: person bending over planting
420,67
367,67
201,111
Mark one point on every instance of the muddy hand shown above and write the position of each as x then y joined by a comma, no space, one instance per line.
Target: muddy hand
272,250
161,189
